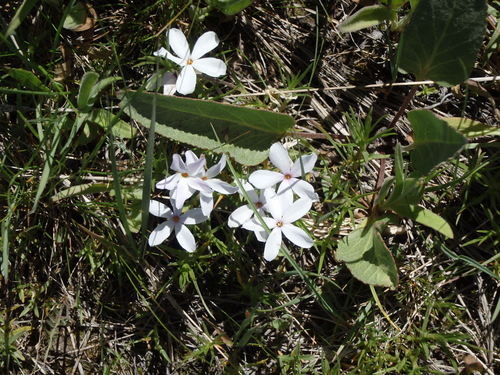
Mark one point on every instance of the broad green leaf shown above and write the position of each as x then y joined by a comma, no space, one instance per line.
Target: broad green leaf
408,191
425,217
442,40
471,128
119,127
99,86
246,134
367,257
231,7
77,16
366,17
21,13
28,79
434,141
89,79
90,188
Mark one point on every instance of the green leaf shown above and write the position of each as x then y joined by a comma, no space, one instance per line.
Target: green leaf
20,15
231,7
99,86
434,141
89,79
471,128
366,256
28,79
408,191
425,217
77,16
119,127
442,40
90,188
246,134
366,17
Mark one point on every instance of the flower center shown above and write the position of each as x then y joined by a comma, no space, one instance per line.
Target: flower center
189,61
185,174
279,223
258,204
176,219
204,178
288,176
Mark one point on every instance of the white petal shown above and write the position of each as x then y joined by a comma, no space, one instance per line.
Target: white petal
162,52
194,216
304,164
160,233
168,183
159,209
297,236
185,238
214,170
279,157
304,190
261,235
186,82
286,192
221,186
273,244
181,193
210,66
190,157
262,179
205,43
177,41
168,82
255,225
196,168
298,209
239,216
206,203
197,183
275,204
178,164
176,59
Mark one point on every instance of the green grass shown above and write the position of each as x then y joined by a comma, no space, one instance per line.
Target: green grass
80,290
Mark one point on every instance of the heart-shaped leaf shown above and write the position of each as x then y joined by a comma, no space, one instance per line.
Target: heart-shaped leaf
245,133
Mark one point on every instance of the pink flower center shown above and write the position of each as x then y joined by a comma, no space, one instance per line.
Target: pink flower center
176,219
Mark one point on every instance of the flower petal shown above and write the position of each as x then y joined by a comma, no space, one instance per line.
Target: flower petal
221,186
181,193
198,184
304,164
210,66
162,52
160,233
168,183
205,43
186,82
176,59
275,204
297,236
273,244
196,168
194,216
296,210
190,158
178,164
185,238
262,179
178,43
305,190
168,82
261,235
239,216
206,203
159,209
279,157
215,169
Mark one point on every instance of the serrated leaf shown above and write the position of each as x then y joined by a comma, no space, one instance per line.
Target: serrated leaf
366,17
471,128
27,79
442,40
119,127
366,256
246,134
89,79
434,141
425,217
77,16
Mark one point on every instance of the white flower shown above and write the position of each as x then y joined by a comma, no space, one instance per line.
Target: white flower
168,83
186,181
244,213
176,221
215,184
284,212
289,174
192,61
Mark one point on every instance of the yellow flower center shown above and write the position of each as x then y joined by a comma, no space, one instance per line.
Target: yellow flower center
185,174
189,61
279,224
288,176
